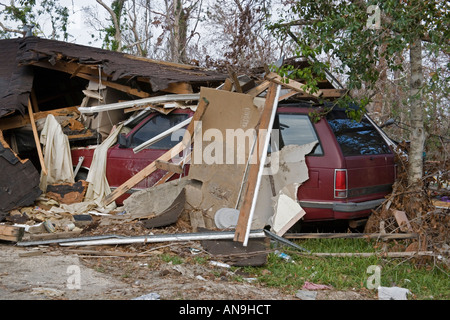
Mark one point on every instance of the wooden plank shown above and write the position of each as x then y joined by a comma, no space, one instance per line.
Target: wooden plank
34,101
287,95
235,79
402,221
248,85
11,233
141,175
21,121
259,88
168,166
254,171
164,179
333,93
179,88
36,138
292,84
228,85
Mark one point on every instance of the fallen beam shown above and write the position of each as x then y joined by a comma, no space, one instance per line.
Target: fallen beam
213,235
36,138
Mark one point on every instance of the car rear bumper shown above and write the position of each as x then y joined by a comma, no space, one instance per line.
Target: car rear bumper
339,210
343,206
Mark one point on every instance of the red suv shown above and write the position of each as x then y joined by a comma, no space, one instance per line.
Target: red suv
351,169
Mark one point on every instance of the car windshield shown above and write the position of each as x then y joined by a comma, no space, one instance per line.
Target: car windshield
356,138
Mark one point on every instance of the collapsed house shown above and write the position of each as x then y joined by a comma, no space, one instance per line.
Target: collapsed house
64,95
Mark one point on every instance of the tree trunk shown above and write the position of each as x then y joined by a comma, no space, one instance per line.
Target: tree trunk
116,22
417,136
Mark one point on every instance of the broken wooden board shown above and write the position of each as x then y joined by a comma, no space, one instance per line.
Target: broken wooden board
21,121
67,192
169,166
19,179
11,233
292,84
402,221
36,138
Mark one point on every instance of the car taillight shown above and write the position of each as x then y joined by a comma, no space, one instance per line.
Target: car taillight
340,183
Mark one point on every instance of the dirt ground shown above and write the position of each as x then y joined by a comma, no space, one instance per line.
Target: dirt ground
49,272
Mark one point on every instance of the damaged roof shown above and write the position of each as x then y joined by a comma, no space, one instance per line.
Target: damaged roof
16,75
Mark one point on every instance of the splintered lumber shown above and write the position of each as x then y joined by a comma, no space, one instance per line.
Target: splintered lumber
254,175
11,233
141,175
36,138
21,121
235,79
228,85
292,84
259,88
169,166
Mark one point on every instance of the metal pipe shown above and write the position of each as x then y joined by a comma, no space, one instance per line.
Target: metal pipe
261,164
215,235
140,102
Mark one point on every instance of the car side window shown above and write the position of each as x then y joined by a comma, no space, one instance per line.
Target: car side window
356,138
296,129
156,125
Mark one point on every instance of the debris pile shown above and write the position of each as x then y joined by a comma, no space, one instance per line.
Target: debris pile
212,187
212,183
423,211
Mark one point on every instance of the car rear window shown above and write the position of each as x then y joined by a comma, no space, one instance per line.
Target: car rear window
156,125
296,129
356,138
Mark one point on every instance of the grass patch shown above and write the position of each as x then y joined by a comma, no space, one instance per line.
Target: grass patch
429,281
172,258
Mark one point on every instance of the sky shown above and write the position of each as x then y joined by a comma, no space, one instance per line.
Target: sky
78,29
